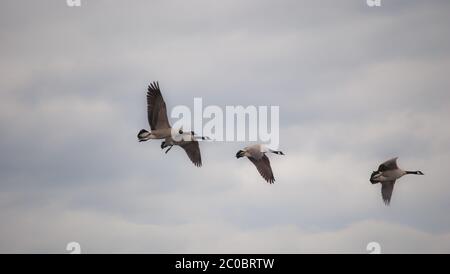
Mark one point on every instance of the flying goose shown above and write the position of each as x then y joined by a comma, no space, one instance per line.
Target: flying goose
257,155
191,147
160,127
387,173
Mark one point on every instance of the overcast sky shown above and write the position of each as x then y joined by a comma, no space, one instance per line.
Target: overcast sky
355,85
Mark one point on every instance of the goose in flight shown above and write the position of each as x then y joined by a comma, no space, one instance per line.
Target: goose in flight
160,127
387,173
257,155
191,147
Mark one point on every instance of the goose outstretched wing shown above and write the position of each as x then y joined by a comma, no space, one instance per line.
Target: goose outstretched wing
388,165
156,108
192,149
386,191
264,168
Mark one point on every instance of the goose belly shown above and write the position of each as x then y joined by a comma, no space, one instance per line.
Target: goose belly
392,175
161,133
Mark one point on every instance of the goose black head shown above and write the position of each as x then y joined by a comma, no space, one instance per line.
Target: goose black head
142,132
240,154
372,177
143,135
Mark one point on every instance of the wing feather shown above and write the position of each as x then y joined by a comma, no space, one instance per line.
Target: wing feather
386,191
264,168
388,165
156,108
192,149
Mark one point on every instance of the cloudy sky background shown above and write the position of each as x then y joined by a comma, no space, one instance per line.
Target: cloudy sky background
355,86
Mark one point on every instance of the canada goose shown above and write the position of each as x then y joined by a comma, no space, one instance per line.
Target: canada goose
387,173
157,116
191,147
257,155
161,129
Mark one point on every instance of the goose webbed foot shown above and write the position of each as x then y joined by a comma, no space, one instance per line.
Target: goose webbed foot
169,149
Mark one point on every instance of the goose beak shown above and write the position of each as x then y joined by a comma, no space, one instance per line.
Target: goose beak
239,154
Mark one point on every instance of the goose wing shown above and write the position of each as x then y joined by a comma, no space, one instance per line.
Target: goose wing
156,108
386,191
388,165
263,166
192,149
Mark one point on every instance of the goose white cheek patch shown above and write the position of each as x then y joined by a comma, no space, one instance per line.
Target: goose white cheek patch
236,123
